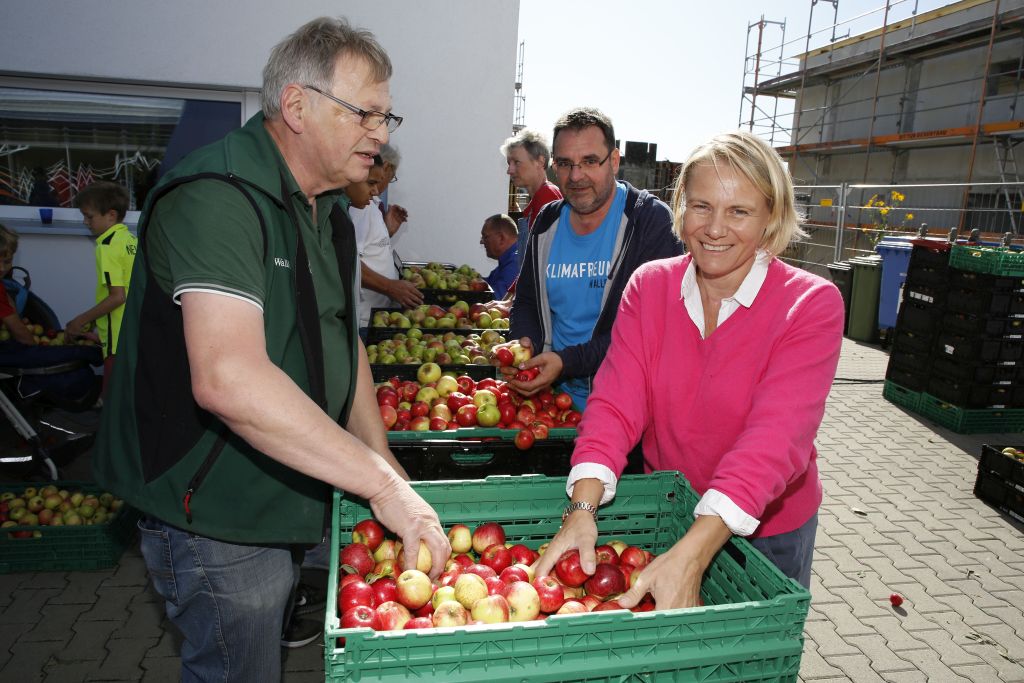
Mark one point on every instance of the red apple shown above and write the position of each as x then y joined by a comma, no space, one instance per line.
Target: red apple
590,602
481,570
607,606
550,593
419,623
513,573
508,413
606,581
426,611
493,609
384,590
607,554
419,424
466,415
419,409
393,616
347,579
486,535
524,439
497,557
414,588
466,384
495,585
572,607
461,539
563,401
388,415
569,570
456,400
523,601
522,555
504,357
355,594
437,424
450,613
539,429
464,559
369,533
634,556
448,577
357,556
360,616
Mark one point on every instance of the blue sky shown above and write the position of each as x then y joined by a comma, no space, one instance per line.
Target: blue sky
666,71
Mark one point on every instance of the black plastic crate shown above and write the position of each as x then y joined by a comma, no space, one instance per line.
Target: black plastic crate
969,279
446,297
985,302
919,317
924,295
998,372
909,379
926,276
440,459
912,341
929,254
1008,468
973,349
407,371
980,325
997,492
974,394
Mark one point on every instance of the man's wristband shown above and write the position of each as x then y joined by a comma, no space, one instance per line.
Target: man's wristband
581,505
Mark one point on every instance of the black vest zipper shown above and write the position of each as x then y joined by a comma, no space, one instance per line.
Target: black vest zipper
197,479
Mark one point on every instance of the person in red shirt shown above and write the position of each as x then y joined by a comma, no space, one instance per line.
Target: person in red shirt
528,154
8,313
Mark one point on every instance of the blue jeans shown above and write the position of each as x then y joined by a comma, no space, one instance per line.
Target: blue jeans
792,551
229,601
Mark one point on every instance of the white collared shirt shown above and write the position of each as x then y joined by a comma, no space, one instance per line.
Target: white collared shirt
712,502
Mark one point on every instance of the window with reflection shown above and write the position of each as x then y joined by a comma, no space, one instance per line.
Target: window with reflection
54,143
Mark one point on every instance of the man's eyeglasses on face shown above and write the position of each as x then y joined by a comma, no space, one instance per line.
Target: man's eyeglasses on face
591,163
370,120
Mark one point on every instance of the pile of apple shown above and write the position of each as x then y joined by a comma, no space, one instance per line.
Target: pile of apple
1014,453
50,506
436,276
438,402
492,315
448,348
486,581
44,336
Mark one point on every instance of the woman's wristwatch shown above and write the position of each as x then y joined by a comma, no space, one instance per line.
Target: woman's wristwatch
581,505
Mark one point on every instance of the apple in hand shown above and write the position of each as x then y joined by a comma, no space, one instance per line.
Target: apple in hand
569,571
606,581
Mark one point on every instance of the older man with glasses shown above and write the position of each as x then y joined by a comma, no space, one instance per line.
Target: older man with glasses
246,395
581,252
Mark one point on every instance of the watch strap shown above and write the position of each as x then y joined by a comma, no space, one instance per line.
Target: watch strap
580,505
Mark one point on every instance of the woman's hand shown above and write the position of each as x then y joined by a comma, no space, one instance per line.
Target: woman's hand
674,578
549,369
579,531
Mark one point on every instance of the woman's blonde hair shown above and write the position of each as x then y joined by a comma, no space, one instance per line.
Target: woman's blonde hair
8,241
764,168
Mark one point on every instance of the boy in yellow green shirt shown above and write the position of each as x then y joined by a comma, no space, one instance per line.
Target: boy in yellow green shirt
103,206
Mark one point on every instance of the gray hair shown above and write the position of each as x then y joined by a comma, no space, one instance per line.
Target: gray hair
531,141
389,153
309,55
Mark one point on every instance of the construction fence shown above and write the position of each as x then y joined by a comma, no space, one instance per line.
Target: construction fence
847,220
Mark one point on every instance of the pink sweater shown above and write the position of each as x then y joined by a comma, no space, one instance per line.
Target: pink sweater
737,412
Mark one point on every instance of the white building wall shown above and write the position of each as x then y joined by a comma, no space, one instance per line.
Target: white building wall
454,65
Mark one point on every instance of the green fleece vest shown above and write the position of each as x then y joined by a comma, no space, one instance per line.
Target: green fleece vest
159,450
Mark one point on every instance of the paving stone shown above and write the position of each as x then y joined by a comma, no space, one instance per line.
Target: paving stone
813,666
886,571
912,676
856,667
131,570
964,606
55,623
88,641
111,604
830,576
1007,638
144,619
124,659
863,604
169,644
28,660
1010,615
79,670
892,629
56,580
930,665
844,560
999,666
819,593
883,660
949,651
826,641
979,672
27,604
909,546
841,615
81,588
168,669
927,580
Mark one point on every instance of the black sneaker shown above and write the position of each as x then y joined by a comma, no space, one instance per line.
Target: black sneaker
309,599
301,632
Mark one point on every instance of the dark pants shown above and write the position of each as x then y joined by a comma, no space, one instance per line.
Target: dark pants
793,551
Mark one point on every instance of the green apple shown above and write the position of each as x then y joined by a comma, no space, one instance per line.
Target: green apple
488,414
428,372
483,397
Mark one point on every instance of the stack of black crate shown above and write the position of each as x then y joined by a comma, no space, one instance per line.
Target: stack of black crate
959,333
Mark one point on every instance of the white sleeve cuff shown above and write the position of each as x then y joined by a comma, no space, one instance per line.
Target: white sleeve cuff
718,504
593,470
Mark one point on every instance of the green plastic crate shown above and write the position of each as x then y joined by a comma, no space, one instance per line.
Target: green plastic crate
903,397
750,630
987,260
67,548
971,421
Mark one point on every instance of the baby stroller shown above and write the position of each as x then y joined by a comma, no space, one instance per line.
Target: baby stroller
39,382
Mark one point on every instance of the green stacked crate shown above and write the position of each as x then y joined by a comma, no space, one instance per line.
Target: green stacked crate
750,630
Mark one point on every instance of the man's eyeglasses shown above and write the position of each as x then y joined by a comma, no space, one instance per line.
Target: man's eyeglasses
370,120
587,164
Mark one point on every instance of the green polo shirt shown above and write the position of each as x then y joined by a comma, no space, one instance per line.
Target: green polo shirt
115,254
214,246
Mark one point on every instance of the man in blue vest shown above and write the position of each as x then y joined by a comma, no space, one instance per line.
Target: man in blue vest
244,394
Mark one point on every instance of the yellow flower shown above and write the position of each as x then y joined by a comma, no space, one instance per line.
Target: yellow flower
909,217
883,211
